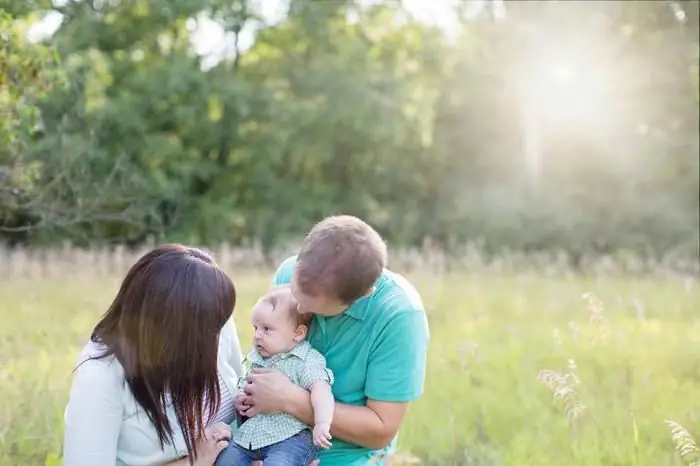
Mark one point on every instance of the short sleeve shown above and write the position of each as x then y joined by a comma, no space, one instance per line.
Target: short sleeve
314,370
94,414
283,275
396,367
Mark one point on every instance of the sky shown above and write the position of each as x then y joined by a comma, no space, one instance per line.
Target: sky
210,41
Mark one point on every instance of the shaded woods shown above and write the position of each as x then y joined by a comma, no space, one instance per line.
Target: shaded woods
532,126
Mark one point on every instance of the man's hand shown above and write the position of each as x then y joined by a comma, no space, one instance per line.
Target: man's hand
267,391
322,435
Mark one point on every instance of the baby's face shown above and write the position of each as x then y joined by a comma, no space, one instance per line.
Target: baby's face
275,330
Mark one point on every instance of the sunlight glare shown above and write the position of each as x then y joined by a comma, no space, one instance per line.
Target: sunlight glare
560,89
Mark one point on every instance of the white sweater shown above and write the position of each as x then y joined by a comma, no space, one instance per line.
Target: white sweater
104,426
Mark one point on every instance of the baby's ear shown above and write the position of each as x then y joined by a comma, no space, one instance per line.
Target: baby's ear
300,332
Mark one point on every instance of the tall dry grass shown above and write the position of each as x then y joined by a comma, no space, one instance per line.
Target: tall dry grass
531,362
470,259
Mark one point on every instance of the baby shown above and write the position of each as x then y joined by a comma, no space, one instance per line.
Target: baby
281,439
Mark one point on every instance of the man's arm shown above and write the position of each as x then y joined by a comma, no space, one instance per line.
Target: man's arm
395,376
373,426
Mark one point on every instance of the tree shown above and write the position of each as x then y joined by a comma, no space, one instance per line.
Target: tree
344,107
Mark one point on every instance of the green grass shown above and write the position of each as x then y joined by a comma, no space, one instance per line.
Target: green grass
483,402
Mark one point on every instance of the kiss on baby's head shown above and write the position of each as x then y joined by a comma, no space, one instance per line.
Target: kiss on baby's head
278,324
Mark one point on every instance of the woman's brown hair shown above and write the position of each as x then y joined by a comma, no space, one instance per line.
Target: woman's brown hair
163,327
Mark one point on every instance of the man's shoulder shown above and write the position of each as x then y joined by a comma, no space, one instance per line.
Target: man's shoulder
289,261
398,295
283,275
399,309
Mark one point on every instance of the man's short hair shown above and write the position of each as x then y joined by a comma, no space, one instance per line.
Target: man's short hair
342,257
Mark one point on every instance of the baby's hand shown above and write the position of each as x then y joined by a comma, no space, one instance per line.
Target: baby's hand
240,407
322,435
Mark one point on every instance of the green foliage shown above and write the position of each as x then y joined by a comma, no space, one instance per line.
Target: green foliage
368,111
27,72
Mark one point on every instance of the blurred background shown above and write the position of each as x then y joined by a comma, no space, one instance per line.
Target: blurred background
516,155
568,126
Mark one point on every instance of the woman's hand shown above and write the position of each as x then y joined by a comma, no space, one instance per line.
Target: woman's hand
216,438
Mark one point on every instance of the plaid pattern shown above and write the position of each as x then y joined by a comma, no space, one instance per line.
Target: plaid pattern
304,366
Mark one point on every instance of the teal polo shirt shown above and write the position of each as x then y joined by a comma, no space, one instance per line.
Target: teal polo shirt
376,349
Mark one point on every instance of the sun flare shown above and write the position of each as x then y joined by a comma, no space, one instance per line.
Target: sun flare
566,88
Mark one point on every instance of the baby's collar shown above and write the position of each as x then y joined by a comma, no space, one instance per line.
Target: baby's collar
301,350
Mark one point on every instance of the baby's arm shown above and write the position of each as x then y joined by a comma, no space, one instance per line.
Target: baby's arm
317,379
323,403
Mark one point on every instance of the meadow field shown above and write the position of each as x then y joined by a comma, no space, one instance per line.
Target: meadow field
525,368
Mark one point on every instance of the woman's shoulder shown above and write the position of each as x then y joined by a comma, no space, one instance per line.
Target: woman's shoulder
230,356
92,365
228,338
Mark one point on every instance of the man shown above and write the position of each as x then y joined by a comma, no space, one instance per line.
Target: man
370,325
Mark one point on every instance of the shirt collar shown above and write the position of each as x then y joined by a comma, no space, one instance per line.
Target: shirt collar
301,350
360,308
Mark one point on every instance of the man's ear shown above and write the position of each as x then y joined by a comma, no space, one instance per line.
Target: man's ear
300,332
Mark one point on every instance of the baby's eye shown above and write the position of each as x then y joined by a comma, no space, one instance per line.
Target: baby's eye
266,329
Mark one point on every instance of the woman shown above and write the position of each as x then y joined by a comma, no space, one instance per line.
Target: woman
153,385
